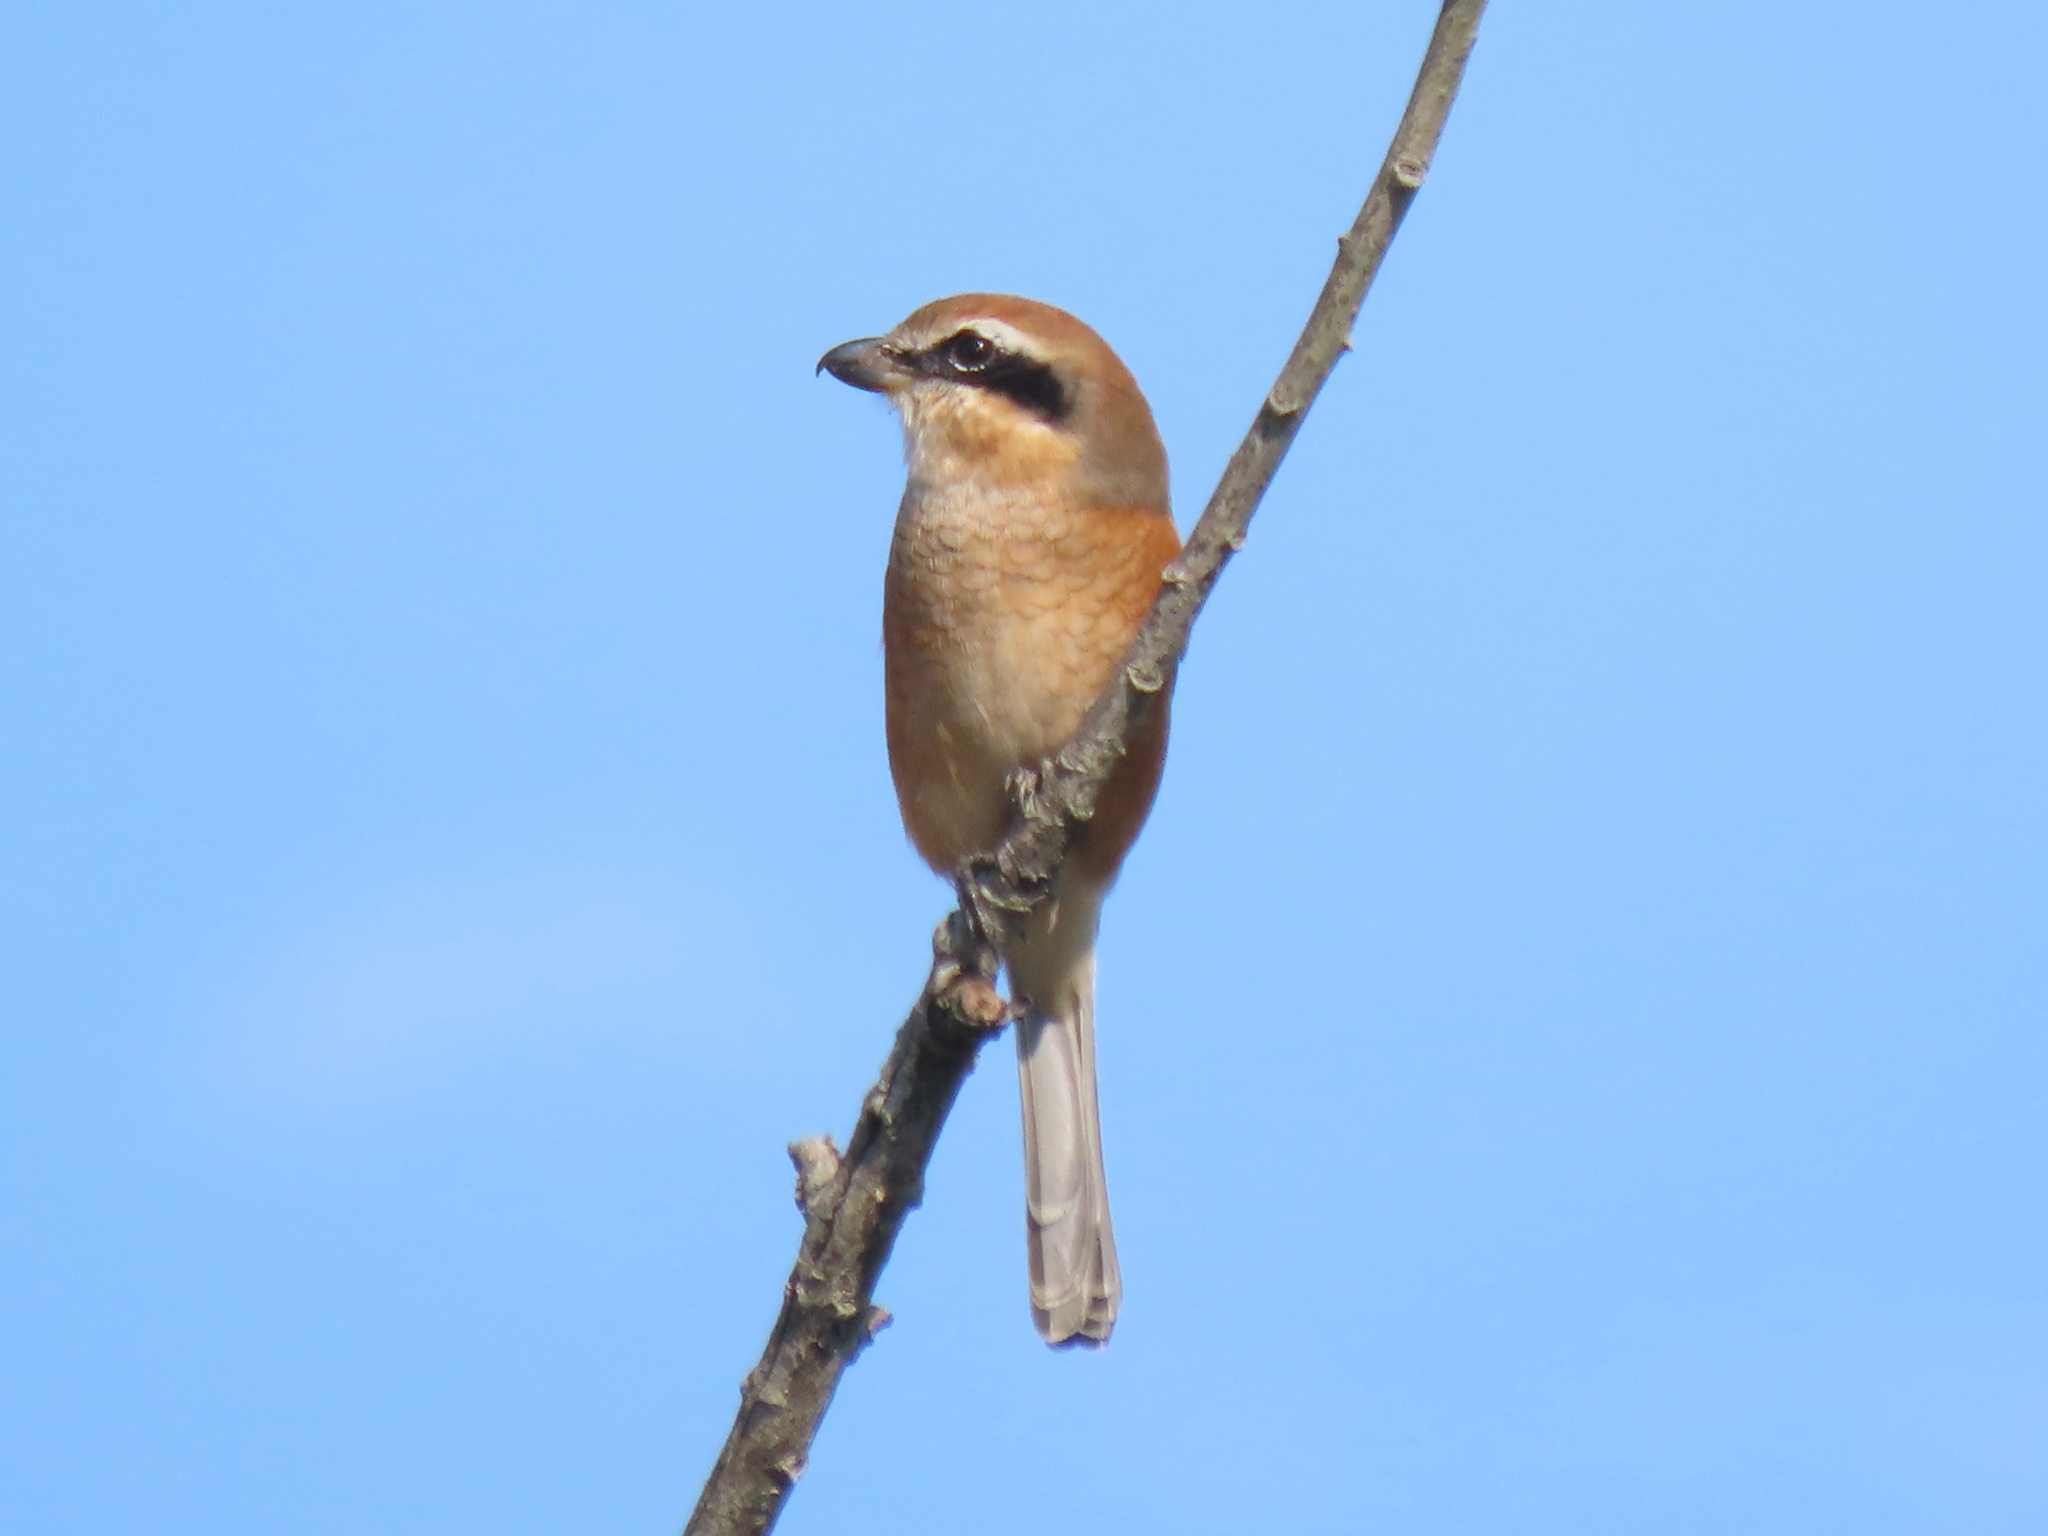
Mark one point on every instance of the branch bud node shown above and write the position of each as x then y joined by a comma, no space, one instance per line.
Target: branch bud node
817,1169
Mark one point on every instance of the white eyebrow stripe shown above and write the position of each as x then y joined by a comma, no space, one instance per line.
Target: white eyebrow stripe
1004,335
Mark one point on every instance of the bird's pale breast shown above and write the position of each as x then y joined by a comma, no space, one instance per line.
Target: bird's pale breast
1002,619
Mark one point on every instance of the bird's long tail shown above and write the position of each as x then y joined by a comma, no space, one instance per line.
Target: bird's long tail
1075,1284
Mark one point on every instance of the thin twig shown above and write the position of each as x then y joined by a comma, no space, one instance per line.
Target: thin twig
854,1207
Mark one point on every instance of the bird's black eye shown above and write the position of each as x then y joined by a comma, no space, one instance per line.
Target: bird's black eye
970,352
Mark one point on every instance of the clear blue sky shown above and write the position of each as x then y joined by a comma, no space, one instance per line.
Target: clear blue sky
1573,1033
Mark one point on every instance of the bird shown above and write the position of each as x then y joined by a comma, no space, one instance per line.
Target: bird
1031,541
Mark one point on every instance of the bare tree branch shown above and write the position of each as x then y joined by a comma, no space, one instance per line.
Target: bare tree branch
854,1203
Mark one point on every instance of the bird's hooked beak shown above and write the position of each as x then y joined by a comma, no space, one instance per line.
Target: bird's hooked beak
865,364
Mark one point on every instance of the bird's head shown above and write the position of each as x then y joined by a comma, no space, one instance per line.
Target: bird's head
1007,394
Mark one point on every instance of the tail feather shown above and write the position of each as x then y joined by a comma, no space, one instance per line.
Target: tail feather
1075,1283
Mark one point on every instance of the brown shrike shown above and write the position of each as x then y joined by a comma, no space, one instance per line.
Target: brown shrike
1028,548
